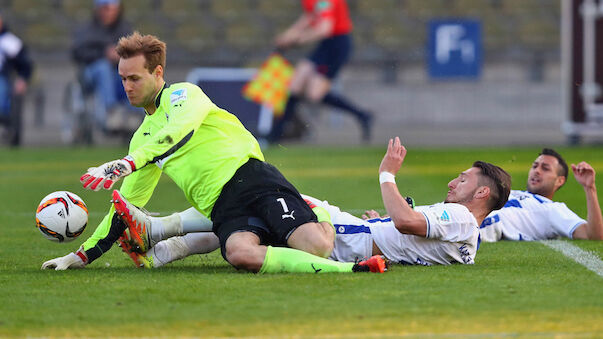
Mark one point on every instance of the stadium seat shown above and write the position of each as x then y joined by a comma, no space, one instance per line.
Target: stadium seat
515,7
77,11
279,7
35,10
195,37
394,35
474,8
137,8
154,27
245,34
498,34
229,9
362,33
180,9
275,22
376,7
47,35
538,32
425,10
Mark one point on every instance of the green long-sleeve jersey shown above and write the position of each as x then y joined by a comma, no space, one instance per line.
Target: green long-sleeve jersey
190,139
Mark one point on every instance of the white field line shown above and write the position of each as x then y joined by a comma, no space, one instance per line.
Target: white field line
434,335
577,254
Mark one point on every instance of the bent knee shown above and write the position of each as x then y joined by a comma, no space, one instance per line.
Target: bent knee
245,258
325,248
320,246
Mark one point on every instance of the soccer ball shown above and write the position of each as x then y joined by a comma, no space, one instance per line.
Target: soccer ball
61,216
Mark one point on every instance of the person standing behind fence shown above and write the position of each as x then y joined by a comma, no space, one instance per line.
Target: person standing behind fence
328,23
13,58
94,51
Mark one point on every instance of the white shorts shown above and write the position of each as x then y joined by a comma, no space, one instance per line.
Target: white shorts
352,243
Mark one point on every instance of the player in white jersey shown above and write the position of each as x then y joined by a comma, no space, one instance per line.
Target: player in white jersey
533,215
443,233
452,236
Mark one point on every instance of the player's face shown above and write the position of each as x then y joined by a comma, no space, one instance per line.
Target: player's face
139,84
543,176
462,188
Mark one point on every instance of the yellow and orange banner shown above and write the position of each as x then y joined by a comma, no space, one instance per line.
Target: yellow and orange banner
270,86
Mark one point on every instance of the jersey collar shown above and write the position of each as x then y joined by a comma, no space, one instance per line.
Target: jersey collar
158,97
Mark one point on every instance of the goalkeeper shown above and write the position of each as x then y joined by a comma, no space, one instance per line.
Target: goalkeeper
219,166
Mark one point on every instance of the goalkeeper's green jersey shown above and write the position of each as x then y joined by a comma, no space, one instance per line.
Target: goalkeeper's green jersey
196,143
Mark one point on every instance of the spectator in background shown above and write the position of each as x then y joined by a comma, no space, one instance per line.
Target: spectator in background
94,51
328,23
13,58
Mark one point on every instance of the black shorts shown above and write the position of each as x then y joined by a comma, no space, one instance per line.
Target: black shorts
331,54
259,199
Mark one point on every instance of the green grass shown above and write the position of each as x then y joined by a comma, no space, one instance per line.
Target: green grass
514,289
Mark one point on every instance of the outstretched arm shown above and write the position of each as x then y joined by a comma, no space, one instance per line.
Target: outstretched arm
593,229
404,217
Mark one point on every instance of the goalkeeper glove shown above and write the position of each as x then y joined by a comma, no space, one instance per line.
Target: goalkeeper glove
107,174
71,260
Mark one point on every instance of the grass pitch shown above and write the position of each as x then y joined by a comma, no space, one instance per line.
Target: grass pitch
514,289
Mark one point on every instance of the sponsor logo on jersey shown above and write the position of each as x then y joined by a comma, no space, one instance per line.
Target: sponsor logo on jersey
178,95
445,216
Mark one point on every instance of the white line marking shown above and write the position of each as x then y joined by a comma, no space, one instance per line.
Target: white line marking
439,335
582,257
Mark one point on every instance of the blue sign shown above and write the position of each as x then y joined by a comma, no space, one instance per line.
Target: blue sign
454,48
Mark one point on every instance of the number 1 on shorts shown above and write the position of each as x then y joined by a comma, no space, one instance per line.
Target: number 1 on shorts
284,204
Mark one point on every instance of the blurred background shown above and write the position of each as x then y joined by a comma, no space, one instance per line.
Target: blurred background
501,81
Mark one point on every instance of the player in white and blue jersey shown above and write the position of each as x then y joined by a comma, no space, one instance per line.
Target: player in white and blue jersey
533,215
451,236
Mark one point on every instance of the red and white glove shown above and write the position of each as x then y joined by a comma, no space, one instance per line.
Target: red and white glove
105,175
71,260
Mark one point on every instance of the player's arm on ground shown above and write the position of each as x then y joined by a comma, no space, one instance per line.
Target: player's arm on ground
593,229
404,217
187,108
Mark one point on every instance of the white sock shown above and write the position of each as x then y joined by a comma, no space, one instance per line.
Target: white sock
164,227
166,251
176,248
187,221
193,221
201,243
